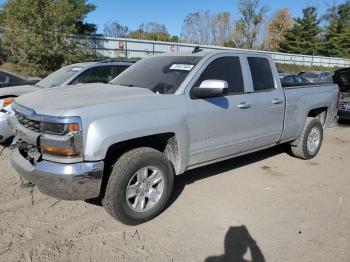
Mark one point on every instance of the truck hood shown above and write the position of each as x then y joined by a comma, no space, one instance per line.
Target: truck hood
17,90
55,101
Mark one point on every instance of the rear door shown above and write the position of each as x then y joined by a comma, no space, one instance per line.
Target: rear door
268,102
220,126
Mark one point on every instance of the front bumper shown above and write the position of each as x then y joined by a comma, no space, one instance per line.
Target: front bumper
77,181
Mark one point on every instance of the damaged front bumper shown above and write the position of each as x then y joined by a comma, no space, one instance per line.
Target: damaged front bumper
77,181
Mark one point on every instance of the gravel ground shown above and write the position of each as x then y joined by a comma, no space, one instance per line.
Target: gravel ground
265,206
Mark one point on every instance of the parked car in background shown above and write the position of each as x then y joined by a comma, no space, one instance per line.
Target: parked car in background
318,76
281,74
10,79
125,141
82,73
294,79
342,78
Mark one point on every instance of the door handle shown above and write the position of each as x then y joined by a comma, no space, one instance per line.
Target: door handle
277,101
244,105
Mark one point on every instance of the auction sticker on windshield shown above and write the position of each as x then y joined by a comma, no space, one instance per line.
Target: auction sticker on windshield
182,67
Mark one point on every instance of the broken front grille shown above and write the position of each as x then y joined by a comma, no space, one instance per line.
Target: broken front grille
32,125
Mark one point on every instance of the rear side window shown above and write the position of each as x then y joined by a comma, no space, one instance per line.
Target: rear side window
225,68
102,74
261,74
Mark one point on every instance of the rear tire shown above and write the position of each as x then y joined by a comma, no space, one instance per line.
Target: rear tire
139,186
310,141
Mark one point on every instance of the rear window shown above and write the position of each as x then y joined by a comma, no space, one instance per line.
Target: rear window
261,74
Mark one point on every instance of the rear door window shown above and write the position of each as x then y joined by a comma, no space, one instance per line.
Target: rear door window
101,74
261,74
227,69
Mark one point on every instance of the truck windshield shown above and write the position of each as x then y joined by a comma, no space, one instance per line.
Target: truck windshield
162,74
58,77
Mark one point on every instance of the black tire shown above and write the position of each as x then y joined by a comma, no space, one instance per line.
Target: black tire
115,200
301,150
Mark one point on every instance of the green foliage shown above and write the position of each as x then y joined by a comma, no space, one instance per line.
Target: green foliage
151,31
305,35
295,69
337,33
41,34
146,31
230,43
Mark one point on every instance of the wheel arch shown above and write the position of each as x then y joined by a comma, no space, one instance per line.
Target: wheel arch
166,143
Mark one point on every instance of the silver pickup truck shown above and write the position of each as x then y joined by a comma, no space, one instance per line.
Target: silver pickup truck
125,141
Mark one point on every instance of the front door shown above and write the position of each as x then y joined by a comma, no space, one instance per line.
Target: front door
221,126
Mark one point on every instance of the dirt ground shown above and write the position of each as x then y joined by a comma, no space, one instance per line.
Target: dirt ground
266,206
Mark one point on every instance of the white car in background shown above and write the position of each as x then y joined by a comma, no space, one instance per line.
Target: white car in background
82,73
5,131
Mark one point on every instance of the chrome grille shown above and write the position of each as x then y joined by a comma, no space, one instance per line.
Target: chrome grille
32,125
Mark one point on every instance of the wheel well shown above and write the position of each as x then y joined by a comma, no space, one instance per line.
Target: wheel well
320,113
165,143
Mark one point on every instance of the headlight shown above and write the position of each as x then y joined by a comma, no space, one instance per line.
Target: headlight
61,140
59,128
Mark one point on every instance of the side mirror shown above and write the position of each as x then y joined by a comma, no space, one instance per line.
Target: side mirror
211,88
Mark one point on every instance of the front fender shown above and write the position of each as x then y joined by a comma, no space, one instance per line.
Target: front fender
105,132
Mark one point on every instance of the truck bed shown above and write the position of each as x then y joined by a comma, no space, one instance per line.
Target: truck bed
298,100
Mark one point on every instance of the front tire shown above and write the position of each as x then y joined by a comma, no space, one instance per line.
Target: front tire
310,141
139,186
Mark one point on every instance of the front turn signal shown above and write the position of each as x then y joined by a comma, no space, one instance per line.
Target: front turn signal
7,102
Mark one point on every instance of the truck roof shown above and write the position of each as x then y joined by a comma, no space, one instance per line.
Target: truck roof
204,53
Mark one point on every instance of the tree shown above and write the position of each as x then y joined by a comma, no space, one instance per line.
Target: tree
204,28
220,28
305,35
151,31
277,28
42,35
248,26
115,29
196,28
337,32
